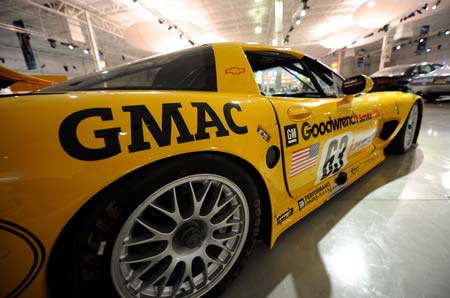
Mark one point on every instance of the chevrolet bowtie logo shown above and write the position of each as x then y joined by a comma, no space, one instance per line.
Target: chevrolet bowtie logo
234,70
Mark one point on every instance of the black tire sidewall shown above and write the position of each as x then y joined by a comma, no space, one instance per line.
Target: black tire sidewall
397,146
88,272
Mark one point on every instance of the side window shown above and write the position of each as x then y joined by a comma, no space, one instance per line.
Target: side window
329,82
425,68
192,69
284,81
279,74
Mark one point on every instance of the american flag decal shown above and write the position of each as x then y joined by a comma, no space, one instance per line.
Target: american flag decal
304,158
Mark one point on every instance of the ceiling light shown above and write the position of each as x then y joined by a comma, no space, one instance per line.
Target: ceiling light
70,46
428,50
371,4
447,32
297,22
421,40
398,47
86,51
434,7
303,13
258,29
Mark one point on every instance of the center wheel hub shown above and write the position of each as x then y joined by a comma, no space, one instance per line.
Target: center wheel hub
190,235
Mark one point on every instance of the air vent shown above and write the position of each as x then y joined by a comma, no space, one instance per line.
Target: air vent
388,128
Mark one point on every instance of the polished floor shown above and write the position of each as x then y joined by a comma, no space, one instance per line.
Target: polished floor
387,235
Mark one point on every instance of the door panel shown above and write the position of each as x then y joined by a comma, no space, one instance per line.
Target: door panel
321,133
318,147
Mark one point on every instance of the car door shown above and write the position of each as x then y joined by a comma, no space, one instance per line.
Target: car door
321,133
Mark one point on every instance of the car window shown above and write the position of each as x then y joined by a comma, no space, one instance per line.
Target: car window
279,74
284,81
425,68
328,80
192,69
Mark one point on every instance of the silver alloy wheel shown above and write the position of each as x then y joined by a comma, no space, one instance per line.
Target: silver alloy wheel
411,126
182,240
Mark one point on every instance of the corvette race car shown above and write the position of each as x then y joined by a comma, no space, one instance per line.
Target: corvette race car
155,178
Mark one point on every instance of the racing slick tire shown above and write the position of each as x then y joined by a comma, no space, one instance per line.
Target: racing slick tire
183,228
404,140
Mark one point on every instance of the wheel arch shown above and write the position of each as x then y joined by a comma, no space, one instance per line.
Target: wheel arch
266,209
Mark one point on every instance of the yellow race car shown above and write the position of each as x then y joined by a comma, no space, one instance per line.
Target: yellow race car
155,178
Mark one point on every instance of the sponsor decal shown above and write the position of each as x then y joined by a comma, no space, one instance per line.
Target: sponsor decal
354,170
334,156
363,140
283,216
142,119
314,195
371,159
263,134
234,70
37,252
337,189
304,159
290,132
309,130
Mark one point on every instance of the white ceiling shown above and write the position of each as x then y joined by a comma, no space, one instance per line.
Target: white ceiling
206,20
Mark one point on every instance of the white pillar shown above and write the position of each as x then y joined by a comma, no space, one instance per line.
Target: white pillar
340,60
278,23
93,44
386,49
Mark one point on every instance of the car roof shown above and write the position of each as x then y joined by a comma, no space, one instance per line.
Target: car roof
260,47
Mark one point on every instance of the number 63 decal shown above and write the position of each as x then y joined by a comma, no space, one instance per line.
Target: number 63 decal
334,156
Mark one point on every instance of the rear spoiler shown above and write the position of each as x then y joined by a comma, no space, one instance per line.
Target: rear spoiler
9,77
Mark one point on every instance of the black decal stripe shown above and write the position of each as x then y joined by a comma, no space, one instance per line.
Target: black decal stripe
38,255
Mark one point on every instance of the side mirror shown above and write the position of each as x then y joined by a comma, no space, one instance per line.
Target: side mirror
357,84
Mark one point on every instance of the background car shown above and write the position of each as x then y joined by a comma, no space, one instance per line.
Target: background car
156,178
431,86
396,78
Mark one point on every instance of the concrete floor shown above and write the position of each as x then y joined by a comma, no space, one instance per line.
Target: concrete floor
387,235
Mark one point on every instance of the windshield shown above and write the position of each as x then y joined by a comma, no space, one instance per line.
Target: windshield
393,71
191,69
444,71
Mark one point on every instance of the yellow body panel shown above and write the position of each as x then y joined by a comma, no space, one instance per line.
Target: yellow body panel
42,186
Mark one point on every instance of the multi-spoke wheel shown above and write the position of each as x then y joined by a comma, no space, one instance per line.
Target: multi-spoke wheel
182,239
182,229
404,140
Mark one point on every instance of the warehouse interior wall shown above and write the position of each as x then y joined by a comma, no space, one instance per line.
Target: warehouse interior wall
438,43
